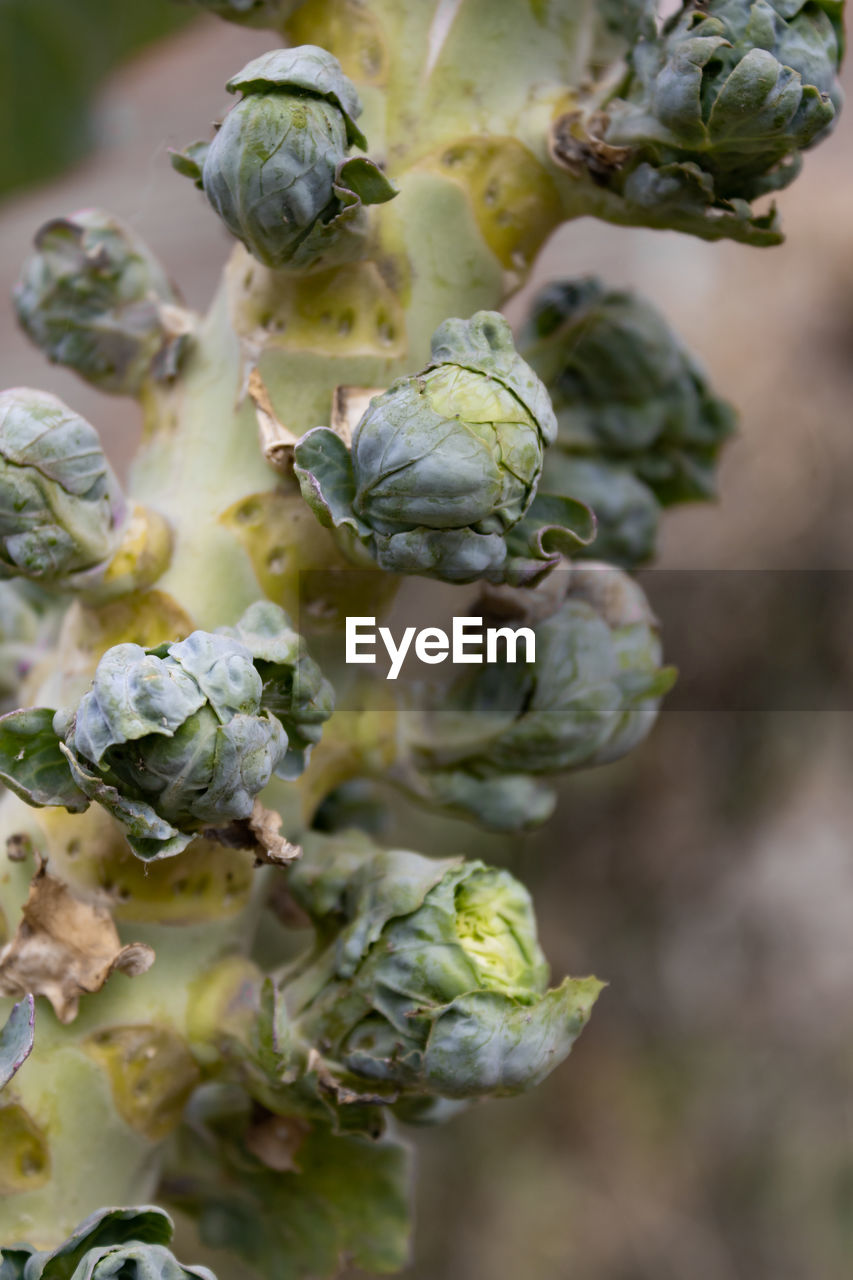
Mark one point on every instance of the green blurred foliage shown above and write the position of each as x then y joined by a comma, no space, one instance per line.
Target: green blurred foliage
53,56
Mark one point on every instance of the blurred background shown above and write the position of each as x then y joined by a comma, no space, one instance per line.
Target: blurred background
703,1127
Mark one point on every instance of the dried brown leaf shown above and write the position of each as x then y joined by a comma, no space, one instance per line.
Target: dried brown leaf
65,947
260,834
265,826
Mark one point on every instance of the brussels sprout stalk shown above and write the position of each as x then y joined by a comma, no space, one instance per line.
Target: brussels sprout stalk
170,719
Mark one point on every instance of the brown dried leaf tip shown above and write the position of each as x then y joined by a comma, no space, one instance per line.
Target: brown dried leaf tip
576,144
271,846
64,948
260,833
276,439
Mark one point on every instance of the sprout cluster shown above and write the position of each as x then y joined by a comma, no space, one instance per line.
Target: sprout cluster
93,297
277,172
178,738
442,473
716,108
638,427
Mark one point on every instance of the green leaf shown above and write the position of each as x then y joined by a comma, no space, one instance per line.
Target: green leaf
273,1037
346,1201
366,180
488,1043
224,672
16,1039
553,527
190,162
309,69
485,344
323,467
392,883
131,1243
511,802
32,764
149,836
134,694
13,1262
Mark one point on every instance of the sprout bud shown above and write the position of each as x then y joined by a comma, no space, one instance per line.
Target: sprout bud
178,738
592,695
717,107
93,297
277,171
638,425
433,983
444,465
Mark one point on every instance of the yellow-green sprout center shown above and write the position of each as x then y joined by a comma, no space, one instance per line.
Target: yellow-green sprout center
496,928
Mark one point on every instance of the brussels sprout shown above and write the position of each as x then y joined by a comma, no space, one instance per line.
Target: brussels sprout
591,696
444,465
94,298
277,171
61,509
628,397
431,981
178,738
716,109
131,1243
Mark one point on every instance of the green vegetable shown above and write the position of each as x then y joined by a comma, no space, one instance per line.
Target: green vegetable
178,738
445,464
592,695
717,108
628,398
431,980
277,171
286,1019
93,297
